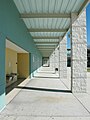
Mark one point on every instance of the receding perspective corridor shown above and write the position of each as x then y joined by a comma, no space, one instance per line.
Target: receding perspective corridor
45,97
44,60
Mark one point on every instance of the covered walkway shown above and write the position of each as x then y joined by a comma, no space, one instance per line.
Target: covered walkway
40,28
45,97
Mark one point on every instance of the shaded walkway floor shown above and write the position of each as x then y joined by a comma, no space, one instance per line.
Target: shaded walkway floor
45,97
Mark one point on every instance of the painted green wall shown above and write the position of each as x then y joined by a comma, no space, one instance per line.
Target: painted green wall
2,71
13,28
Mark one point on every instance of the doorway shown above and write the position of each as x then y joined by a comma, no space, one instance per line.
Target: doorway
45,61
17,65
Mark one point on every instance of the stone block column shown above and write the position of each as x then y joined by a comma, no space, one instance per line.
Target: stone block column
78,53
52,64
63,58
50,59
56,59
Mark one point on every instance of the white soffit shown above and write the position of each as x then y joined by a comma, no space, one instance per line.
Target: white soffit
14,47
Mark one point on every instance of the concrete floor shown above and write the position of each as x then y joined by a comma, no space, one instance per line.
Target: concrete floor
13,85
46,97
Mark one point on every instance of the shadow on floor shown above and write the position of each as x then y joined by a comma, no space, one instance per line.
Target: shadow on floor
43,89
46,77
13,85
46,72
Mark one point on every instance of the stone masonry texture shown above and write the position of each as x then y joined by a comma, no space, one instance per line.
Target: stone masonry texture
63,58
79,54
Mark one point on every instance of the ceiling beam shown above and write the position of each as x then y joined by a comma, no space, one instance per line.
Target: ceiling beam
47,30
46,49
46,37
45,15
46,43
83,5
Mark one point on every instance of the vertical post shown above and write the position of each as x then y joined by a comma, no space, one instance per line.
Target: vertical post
57,59
54,60
60,38
63,58
51,61
32,65
29,65
78,53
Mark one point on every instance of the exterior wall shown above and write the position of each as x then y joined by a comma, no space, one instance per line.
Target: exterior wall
11,60
79,54
23,65
13,28
2,72
63,58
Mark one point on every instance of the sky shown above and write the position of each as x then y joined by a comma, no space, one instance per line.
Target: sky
88,27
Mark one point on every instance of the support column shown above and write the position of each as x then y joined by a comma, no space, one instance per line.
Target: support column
32,65
52,61
78,53
2,72
57,59
63,58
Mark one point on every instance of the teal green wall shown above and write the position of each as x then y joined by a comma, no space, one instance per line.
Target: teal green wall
13,28
2,71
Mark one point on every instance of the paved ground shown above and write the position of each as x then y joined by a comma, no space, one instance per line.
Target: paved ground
46,97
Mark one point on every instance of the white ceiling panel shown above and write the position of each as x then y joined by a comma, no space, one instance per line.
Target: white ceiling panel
47,7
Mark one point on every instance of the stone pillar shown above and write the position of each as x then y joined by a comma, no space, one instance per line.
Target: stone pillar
63,58
52,61
2,71
56,61
78,53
